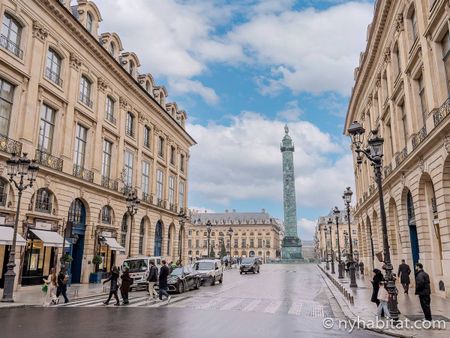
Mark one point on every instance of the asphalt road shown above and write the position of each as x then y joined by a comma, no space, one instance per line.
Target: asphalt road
281,301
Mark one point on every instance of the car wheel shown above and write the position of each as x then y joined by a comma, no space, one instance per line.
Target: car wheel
181,288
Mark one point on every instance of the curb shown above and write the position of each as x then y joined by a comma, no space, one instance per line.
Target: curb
348,313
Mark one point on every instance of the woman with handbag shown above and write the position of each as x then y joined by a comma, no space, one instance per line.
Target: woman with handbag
383,297
50,286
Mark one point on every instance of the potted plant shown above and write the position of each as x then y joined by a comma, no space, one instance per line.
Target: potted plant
96,277
66,259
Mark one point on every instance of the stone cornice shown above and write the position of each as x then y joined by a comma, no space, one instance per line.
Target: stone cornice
85,38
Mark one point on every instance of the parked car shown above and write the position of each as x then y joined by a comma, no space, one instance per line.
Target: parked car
209,270
250,264
139,267
181,280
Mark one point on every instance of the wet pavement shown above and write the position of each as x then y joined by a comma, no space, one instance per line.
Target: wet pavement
281,301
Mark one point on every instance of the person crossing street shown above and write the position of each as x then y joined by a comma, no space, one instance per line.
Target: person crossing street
152,279
113,278
163,274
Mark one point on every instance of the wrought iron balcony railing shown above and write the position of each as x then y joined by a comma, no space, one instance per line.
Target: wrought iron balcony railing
111,119
85,99
80,172
9,145
53,76
109,183
10,46
441,113
48,160
146,197
401,156
419,137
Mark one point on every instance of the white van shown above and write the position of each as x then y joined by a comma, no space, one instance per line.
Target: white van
139,267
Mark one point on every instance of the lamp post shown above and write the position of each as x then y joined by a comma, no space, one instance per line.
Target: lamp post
327,265
182,218
208,230
336,214
330,227
21,167
132,208
348,199
230,234
374,153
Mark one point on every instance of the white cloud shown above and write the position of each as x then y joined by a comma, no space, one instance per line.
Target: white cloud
306,228
242,161
184,86
291,112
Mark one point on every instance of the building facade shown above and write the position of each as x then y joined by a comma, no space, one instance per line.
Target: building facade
324,239
77,102
254,234
402,87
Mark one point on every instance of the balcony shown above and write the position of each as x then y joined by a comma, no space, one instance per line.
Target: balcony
173,207
401,156
80,172
48,160
160,203
441,113
9,145
85,99
146,197
3,198
10,46
129,131
54,77
111,118
110,184
127,189
419,137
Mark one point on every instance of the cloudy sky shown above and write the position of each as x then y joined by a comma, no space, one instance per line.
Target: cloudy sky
241,70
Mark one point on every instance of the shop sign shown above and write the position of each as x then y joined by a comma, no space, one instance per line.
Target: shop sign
43,225
106,234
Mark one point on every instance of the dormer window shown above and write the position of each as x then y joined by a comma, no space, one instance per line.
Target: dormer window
131,70
89,22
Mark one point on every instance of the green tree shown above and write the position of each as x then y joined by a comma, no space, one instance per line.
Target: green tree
223,251
212,254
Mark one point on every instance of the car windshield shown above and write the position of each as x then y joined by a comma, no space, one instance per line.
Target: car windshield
177,272
204,266
135,265
247,261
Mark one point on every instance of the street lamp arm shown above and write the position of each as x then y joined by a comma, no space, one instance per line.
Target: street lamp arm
365,152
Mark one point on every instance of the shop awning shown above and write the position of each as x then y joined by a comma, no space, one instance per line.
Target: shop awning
6,236
113,245
50,238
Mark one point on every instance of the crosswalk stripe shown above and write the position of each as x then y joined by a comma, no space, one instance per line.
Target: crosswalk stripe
231,304
252,305
295,308
273,306
211,303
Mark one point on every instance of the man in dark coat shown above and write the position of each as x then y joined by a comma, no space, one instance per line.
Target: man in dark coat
125,286
377,279
152,279
403,272
361,268
423,290
62,284
113,288
163,274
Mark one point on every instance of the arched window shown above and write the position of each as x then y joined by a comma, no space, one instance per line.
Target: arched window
141,237
3,192
107,215
158,239
169,236
11,35
53,69
112,49
124,230
89,22
43,201
77,212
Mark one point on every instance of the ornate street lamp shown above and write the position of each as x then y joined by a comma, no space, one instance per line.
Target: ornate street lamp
230,234
337,213
330,227
132,208
21,167
208,230
374,153
327,266
182,218
347,200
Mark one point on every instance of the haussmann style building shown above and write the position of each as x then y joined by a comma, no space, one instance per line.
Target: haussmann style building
402,87
76,101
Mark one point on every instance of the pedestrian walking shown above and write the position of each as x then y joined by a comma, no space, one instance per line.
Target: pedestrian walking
383,298
113,278
125,285
52,284
423,290
377,279
62,281
152,279
403,272
361,268
163,274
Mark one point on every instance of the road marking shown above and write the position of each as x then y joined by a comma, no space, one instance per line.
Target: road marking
252,305
273,306
295,309
231,304
210,304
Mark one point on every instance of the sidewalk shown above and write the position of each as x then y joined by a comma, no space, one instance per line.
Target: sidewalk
409,306
33,295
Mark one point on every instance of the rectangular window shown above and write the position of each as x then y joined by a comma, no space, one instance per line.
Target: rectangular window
53,70
147,133
423,100
130,124
106,159
182,162
259,242
85,91
161,146
172,155
401,110
244,243
189,243
128,168
145,178
181,187
445,43
414,25
159,184
46,128
252,243
236,242
197,243
109,113
11,35
171,190
6,100
80,145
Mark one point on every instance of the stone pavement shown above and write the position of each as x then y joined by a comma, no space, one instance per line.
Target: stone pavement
408,304
33,295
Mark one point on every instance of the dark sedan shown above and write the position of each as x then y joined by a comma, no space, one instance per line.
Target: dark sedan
250,264
182,279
